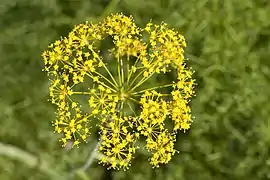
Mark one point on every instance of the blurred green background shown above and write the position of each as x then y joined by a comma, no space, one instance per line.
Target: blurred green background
228,47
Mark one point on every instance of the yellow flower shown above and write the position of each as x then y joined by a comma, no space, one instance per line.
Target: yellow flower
72,125
81,75
117,142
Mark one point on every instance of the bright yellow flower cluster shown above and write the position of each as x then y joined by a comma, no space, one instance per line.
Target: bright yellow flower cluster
113,86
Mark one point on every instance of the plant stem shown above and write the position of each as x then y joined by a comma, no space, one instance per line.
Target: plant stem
110,8
91,157
29,159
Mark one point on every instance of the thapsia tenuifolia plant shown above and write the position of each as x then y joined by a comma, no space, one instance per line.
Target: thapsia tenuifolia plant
119,100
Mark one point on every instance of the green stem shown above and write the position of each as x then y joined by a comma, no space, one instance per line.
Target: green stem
122,71
141,82
81,93
114,85
132,99
143,79
135,64
29,159
105,67
89,75
140,73
153,88
127,69
110,8
132,109
119,72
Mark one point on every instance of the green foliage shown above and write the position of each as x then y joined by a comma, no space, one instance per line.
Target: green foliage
228,47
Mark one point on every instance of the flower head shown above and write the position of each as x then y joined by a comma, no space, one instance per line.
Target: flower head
78,68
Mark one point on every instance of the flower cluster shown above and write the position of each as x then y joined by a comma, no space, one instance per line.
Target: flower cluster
79,71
